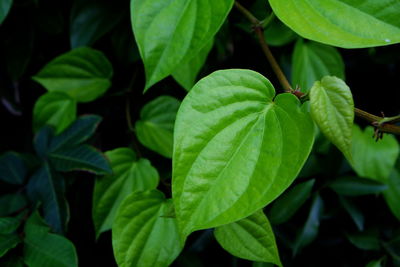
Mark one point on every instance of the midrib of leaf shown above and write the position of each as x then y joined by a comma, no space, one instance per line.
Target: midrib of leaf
44,251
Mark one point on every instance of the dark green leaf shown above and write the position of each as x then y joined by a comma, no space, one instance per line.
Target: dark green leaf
367,240
130,174
277,34
55,109
250,238
47,188
42,141
311,61
79,158
44,249
169,33
8,225
375,263
5,6
12,168
156,125
354,212
91,19
83,73
393,247
141,235
392,194
356,186
11,203
232,125
310,229
7,242
289,202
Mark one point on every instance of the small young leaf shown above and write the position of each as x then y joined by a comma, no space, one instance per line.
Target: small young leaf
7,242
45,249
356,186
342,23
129,175
311,227
245,145
141,235
169,33
355,213
311,61
392,194
5,6
156,125
83,73
250,238
186,73
55,109
12,168
289,202
373,159
332,108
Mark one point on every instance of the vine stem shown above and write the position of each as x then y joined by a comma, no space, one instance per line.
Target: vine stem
383,124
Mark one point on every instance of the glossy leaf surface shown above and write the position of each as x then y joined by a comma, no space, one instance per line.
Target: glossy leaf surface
250,238
338,22
83,73
130,174
332,108
169,32
142,235
311,61
231,133
156,125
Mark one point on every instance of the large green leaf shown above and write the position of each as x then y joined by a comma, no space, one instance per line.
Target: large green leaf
142,235
47,188
344,23
392,194
236,148
289,202
332,108
91,19
56,109
5,6
7,242
130,174
44,249
12,168
311,61
186,73
373,159
169,33
83,73
250,238
156,125
356,186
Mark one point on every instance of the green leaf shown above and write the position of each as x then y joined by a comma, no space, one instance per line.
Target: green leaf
12,168
356,186
91,19
367,240
130,174
289,202
11,203
262,264
83,73
169,33
9,224
277,34
156,125
141,235
250,238
332,108
42,140
45,249
5,6
354,212
310,229
231,126
344,23
55,109
374,263
392,194
7,242
79,158
311,61
187,72
373,159
81,130
48,188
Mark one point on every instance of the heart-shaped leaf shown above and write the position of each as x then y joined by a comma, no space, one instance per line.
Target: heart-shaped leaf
332,108
337,22
250,238
171,32
130,174
236,148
